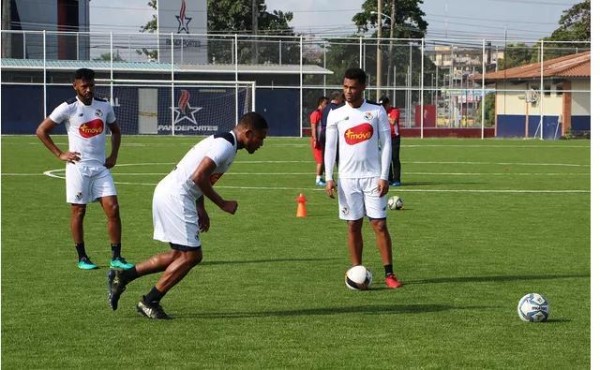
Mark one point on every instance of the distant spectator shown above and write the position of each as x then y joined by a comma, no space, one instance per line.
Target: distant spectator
317,146
393,114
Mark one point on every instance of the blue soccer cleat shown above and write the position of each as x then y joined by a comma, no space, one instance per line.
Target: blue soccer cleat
85,264
120,263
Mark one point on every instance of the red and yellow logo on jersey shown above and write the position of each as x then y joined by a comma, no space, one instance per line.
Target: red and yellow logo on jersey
91,128
215,177
358,134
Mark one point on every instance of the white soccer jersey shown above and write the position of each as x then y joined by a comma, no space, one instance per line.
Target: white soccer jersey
363,135
221,148
86,127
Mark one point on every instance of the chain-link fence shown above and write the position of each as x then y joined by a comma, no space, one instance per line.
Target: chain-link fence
442,87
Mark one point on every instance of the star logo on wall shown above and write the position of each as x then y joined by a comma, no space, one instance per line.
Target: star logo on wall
187,113
184,22
184,109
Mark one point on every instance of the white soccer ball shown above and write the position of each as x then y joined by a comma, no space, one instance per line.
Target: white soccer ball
358,278
395,202
533,307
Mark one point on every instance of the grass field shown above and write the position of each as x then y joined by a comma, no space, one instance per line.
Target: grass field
484,223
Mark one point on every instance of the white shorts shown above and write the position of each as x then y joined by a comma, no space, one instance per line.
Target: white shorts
360,197
174,215
86,184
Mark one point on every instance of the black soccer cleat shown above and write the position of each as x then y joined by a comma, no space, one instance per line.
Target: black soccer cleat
116,286
152,310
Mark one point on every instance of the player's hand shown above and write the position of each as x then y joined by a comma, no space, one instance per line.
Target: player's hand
383,186
230,206
70,157
110,162
330,188
203,220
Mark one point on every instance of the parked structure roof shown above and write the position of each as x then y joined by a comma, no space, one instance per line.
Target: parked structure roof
569,66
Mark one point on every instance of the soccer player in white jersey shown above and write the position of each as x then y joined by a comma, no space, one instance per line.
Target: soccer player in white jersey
363,133
87,120
180,216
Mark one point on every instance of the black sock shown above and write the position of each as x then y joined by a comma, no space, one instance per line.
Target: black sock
80,247
130,274
154,296
116,250
389,269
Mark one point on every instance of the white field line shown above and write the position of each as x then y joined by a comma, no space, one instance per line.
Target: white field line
59,173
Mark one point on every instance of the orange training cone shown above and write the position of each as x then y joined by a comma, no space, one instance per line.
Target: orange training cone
301,212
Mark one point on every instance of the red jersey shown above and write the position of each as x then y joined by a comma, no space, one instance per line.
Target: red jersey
394,120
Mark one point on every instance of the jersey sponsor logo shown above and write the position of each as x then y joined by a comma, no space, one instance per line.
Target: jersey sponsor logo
358,134
91,128
215,177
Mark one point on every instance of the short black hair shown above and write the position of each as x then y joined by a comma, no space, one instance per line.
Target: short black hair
253,121
336,95
356,74
84,74
322,99
384,100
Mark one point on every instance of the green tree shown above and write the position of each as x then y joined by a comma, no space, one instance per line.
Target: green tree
406,15
151,27
574,24
236,16
116,57
517,54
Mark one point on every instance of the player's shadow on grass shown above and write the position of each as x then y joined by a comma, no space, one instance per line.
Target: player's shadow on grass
494,278
369,309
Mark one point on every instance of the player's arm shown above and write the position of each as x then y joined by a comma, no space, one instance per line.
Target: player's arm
395,120
385,142
203,218
330,154
115,141
43,133
201,177
313,129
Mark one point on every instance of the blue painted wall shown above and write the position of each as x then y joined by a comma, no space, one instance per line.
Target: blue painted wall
513,125
22,109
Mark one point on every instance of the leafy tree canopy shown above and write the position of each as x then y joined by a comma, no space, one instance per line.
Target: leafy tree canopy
575,24
408,18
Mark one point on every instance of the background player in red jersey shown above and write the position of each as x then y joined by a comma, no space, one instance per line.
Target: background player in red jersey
393,114
316,143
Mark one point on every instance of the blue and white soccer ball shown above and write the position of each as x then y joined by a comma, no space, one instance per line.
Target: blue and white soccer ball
358,278
533,307
395,202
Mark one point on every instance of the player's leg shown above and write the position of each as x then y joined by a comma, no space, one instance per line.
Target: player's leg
77,217
395,170
103,189
376,210
351,209
78,195
384,245
318,156
118,279
355,241
185,259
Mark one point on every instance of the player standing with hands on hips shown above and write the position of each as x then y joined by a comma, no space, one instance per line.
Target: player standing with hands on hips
361,129
87,174
179,215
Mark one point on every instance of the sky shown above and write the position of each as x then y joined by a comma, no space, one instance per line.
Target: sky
524,20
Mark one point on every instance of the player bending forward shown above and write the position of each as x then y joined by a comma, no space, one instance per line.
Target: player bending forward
179,215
